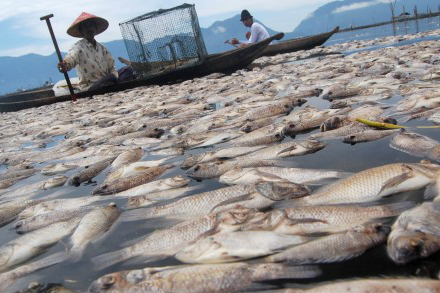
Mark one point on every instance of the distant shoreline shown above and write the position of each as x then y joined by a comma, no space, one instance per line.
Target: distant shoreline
396,20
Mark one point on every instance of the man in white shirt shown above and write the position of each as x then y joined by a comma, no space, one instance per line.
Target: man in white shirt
93,62
258,32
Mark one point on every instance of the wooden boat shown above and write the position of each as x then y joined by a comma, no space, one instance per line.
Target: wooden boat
299,44
227,62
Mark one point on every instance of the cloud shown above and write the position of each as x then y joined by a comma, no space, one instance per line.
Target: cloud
359,5
219,29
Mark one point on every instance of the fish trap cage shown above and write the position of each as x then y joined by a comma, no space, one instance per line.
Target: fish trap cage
164,40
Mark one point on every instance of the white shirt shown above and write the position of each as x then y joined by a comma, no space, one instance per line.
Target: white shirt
258,33
91,63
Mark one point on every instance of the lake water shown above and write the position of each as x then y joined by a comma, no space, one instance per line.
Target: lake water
398,29
336,155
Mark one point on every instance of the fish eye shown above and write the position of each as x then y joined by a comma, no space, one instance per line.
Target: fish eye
196,168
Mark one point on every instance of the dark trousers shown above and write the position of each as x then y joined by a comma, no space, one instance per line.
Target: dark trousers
125,74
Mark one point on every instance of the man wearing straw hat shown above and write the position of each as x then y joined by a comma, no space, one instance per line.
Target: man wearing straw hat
93,62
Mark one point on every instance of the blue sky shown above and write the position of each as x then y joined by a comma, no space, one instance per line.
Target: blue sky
21,31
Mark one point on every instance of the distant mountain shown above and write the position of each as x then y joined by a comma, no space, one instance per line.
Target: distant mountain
347,13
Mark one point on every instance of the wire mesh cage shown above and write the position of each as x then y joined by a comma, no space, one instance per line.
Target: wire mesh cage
164,40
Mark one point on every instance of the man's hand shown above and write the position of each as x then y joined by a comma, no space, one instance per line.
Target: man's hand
235,41
62,67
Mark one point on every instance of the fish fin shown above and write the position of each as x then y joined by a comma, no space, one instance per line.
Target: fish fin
108,259
286,150
393,182
289,203
141,168
232,200
432,190
269,177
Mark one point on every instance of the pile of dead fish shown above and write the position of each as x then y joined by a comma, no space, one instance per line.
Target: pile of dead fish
214,158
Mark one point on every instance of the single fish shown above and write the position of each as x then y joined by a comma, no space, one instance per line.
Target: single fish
216,169
133,169
335,247
41,207
221,278
374,183
18,174
295,175
148,199
31,189
34,243
127,157
168,242
263,136
221,154
237,246
399,285
155,186
278,108
10,210
123,184
92,226
257,124
57,169
288,149
341,132
415,234
368,135
257,196
5,183
88,173
416,145
323,219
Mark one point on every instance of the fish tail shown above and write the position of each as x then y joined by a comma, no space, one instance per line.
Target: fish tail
273,271
108,259
136,215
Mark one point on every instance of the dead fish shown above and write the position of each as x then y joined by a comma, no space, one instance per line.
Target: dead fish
133,169
57,169
335,247
236,246
221,154
374,285
416,145
374,183
257,124
295,175
30,189
216,169
282,150
41,207
335,122
88,173
220,278
130,182
415,234
168,242
46,219
323,219
127,157
10,210
31,244
19,173
147,199
369,135
263,136
92,226
9,182
342,93
341,132
256,196
282,107
155,186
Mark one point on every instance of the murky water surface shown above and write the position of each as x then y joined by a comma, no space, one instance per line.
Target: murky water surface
335,155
